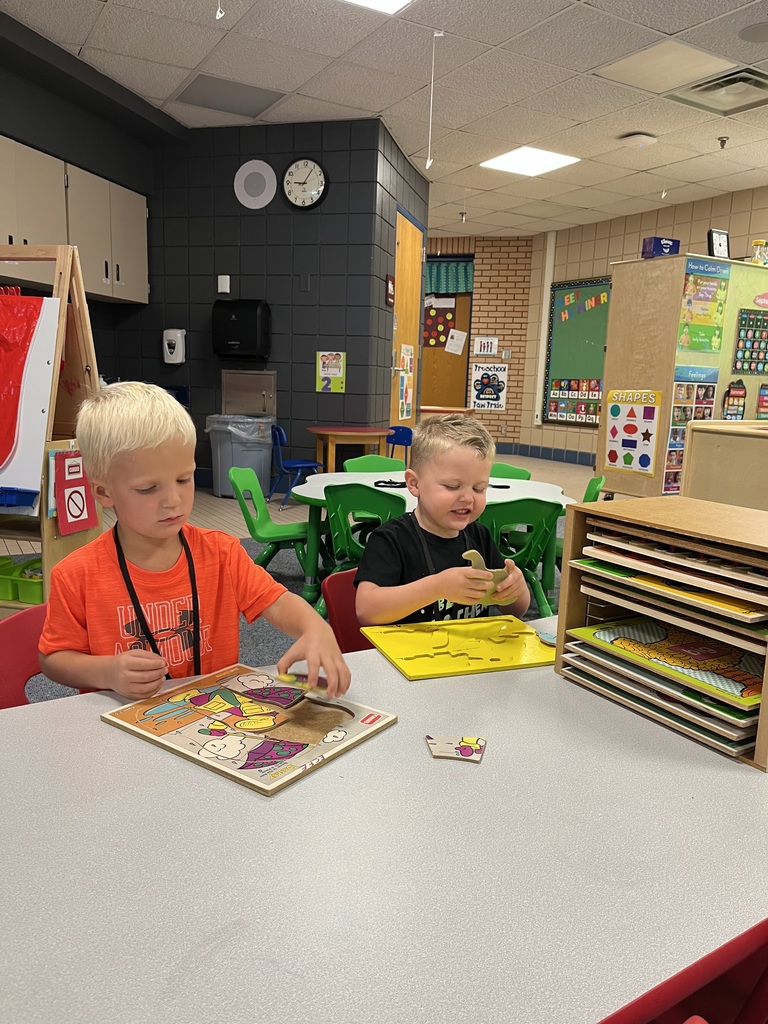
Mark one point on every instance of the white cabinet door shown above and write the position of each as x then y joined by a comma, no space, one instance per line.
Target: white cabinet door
7,192
89,228
128,216
41,213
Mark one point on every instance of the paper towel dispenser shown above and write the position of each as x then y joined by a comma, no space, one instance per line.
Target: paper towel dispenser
242,328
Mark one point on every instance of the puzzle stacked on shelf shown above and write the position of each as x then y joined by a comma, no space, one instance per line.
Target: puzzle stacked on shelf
261,731
670,625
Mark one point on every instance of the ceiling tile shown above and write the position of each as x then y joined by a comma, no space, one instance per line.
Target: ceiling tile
737,182
643,184
588,198
203,117
698,168
482,178
141,76
540,208
581,38
584,216
150,37
45,18
585,97
463,148
503,75
494,200
257,62
451,109
722,35
580,141
588,172
645,158
534,188
537,226
411,136
753,154
295,109
626,207
439,169
440,192
502,219
657,116
666,17
519,124
665,66
201,12
325,26
492,21
757,118
352,86
405,49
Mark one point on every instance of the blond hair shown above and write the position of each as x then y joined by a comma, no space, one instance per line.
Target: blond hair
126,417
438,434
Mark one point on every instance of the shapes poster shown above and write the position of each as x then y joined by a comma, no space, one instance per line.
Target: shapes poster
489,385
750,354
249,726
632,429
703,307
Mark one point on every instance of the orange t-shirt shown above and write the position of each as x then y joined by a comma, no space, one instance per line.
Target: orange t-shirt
89,609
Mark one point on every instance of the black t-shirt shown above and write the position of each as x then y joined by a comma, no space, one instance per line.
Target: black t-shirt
394,556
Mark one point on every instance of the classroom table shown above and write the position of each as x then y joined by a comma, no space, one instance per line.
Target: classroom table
312,493
589,856
329,437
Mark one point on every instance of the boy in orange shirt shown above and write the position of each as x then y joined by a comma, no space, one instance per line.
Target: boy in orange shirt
155,597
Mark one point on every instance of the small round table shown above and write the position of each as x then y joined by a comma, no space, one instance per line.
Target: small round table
375,437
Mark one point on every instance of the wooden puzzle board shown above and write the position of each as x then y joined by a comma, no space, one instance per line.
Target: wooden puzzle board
460,647
243,723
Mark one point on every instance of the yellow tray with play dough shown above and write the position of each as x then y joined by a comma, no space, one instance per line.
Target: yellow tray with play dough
460,647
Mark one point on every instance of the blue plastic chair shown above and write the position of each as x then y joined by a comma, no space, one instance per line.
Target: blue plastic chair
401,438
295,469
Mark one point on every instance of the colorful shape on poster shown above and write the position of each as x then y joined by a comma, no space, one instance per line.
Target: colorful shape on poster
629,458
647,435
613,456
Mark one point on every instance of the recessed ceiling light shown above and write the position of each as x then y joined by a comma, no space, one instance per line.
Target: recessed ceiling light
755,33
529,161
385,6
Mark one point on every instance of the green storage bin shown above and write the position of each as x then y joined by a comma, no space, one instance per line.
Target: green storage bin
15,586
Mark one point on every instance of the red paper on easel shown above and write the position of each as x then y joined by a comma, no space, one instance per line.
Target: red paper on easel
18,320
75,507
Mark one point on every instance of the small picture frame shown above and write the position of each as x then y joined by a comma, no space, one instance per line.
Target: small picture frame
389,295
718,244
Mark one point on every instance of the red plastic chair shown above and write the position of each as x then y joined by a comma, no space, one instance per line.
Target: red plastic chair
339,595
19,637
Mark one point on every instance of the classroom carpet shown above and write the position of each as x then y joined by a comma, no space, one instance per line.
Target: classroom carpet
260,642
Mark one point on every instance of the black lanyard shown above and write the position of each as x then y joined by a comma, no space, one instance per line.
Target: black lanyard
137,605
424,548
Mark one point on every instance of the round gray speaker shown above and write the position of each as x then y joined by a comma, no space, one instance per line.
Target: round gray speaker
255,184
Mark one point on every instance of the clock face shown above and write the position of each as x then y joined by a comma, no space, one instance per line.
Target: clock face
720,243
305,184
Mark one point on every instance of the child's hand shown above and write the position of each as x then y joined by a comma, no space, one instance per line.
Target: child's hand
513,587
137,674
317,646
464,585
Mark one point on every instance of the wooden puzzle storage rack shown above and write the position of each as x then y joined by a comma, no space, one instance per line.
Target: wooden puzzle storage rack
672,536
75,375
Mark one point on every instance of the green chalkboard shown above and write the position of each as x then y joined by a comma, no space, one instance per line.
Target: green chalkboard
578,324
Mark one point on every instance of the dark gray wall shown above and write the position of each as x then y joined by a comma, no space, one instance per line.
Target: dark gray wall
322,271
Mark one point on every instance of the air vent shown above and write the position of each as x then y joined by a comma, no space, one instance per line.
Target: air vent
726,94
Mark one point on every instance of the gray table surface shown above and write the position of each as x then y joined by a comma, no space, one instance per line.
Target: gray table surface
590,855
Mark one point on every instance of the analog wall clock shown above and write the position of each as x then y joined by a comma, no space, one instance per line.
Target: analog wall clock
305,184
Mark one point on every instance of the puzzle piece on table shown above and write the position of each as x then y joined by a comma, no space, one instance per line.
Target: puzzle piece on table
301,680
478,562
458,748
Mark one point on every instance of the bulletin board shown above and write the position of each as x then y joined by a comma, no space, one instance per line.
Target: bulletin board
578,326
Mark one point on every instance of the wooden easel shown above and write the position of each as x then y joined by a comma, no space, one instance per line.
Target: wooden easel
75,376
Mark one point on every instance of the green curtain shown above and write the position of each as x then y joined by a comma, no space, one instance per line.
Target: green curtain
448,277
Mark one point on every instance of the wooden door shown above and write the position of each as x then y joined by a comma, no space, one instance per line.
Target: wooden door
443,375
408,296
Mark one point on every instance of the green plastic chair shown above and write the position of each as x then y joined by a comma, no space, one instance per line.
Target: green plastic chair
373,464
510,472
591,493
346,501
521,530
259,522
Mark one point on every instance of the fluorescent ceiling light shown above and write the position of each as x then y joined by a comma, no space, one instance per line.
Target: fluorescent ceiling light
385,6
529,161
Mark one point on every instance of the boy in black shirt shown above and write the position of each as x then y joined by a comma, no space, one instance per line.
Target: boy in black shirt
412,569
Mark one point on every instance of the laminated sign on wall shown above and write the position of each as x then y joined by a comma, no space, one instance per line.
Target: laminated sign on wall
489,385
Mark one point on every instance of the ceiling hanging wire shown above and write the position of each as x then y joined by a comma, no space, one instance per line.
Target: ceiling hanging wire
435,35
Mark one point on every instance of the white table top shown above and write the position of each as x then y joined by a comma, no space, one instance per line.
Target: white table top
312,491
590,855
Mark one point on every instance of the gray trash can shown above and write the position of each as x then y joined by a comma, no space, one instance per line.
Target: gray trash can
240,441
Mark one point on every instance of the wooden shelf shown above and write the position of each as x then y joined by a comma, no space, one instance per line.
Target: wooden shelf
701,567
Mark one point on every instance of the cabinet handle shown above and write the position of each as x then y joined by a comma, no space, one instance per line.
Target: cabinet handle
106,270
10,239
25,241
117,272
